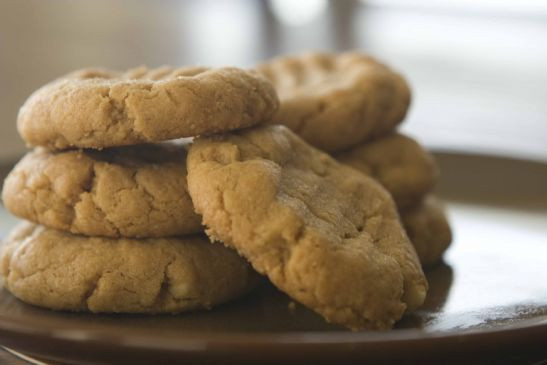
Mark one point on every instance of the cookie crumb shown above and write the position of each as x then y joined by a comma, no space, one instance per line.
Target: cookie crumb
292,307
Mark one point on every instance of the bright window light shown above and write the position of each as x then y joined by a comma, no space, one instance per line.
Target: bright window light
295,13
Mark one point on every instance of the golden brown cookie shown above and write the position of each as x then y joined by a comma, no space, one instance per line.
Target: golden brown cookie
428,229
324,233
132,191
62,271
399,163
335,101
99,108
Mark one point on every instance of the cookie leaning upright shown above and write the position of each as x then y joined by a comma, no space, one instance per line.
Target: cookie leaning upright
98,108
326,234
335,101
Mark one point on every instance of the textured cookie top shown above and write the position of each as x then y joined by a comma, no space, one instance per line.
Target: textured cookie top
335,101
428,229
59,270
97,108
133,191
324,233
399,163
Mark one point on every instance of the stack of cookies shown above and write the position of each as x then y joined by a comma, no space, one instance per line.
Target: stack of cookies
118,214
349,105
113,227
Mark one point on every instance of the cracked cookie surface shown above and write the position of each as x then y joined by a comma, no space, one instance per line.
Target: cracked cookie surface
99,108
324,233
62,271
335,101
132,191
399,163
428,228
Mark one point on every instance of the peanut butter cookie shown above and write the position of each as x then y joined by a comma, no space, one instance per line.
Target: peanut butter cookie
62,271
132,191
100,108
335,101
428,229
324,233
399,163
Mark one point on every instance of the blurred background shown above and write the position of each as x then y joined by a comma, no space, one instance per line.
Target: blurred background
478,69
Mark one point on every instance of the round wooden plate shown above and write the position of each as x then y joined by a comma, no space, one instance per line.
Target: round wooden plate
487,301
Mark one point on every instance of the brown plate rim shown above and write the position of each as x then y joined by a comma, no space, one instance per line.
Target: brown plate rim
527,336
11,326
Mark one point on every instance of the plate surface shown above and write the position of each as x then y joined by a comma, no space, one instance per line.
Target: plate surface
488,300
